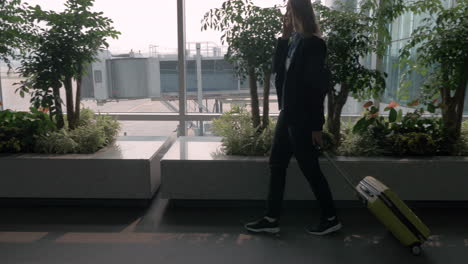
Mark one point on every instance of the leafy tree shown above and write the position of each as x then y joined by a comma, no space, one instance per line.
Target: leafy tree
250,31
438,48
16,32
348,35
15,29
382,13
69,41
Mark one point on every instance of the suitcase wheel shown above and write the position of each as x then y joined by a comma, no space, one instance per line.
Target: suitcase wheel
416,250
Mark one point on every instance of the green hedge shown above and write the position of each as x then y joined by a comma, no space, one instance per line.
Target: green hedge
93,133
35,132
239,136
372,135
19,130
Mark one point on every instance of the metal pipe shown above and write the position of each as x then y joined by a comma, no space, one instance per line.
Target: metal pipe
182,65
199,79
1,96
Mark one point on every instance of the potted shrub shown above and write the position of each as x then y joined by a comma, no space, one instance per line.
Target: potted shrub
250,31
68,42
438,49
60,46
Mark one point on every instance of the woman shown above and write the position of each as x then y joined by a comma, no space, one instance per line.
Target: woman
301,78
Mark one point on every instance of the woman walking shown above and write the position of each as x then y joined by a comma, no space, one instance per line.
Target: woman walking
299,64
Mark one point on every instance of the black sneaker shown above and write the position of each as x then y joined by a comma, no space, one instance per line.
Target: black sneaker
263,225
326,226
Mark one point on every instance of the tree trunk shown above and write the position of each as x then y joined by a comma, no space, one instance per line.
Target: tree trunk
254,98
58,108
69,98
335,106
78,100
1,97
266,99
379,66
379,62
452,109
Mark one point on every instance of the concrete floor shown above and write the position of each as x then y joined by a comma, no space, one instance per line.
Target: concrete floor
164,233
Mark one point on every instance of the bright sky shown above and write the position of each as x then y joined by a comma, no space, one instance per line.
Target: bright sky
146,22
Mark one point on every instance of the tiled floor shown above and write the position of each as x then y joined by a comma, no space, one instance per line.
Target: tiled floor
164,233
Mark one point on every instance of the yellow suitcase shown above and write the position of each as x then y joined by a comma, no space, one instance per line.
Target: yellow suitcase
390,210
393,213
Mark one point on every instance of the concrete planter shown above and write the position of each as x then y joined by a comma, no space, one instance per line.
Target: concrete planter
129,169
193,168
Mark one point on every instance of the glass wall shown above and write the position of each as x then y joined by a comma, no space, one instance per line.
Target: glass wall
127,76
135,75
139,72
401,30
212,85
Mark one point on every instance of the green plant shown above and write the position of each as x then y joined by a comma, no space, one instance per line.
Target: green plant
89,138
87,116
68,42
16,33
461,145
438,48
349,37
415,122
411,134
10,140
109,126
250,31
354,144
360,145
92,133
413,143
372,120
238,135
19,130
57,142
16,30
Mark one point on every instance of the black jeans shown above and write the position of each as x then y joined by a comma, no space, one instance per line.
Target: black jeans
296,140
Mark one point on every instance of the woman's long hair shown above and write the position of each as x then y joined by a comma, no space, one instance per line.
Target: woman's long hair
304,13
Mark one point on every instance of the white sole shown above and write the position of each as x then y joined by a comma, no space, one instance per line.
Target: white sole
265,230
328,231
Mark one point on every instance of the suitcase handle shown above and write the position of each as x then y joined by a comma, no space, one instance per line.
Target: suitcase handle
344,174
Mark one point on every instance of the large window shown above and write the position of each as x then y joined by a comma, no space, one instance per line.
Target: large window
401,30
138,77
212,85
134,75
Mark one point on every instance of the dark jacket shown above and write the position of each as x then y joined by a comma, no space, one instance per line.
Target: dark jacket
305,81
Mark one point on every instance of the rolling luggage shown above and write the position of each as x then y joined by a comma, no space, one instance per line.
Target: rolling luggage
390,210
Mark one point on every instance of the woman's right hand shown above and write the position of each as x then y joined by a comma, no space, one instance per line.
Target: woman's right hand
287,25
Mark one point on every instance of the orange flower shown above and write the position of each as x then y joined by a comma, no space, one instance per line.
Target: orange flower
368,104
393,104
414,103
44,110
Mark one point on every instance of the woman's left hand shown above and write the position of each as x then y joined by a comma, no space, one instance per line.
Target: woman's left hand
317,138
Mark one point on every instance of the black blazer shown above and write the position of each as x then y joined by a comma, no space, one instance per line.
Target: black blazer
304,90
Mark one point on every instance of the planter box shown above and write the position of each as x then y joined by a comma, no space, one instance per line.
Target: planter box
129,169
194,168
